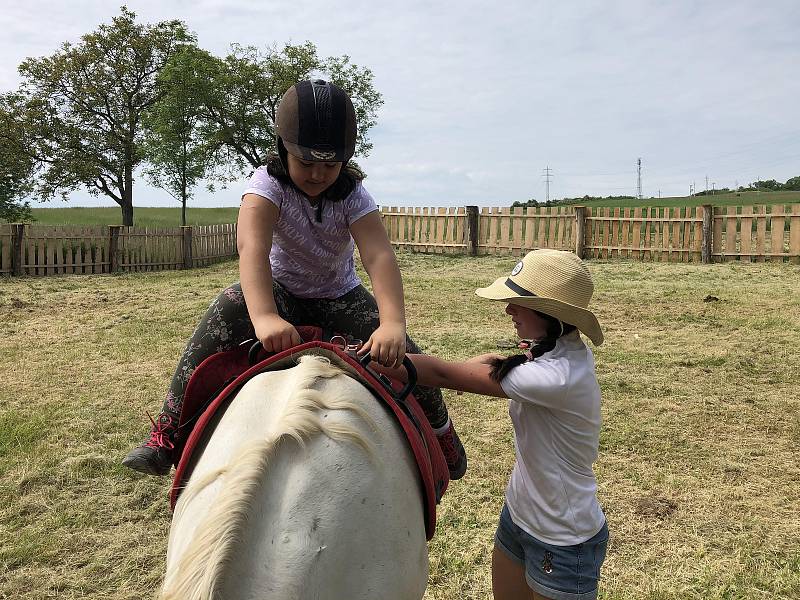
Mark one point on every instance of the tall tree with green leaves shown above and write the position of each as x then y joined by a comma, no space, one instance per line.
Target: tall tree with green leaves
178,155
769,184
15,183
16,168
244,89
92,96
792,184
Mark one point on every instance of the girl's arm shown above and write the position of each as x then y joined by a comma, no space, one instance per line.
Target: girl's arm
468,376
257,218
387,344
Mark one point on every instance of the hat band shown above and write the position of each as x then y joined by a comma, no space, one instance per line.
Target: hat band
518,288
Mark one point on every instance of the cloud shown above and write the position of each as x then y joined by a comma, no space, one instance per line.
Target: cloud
479,100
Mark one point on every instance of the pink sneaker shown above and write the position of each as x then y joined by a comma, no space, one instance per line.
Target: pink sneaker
154,457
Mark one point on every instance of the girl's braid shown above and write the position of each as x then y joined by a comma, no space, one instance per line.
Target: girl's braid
500,367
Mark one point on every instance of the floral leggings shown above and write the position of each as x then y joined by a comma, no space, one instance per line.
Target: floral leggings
226,324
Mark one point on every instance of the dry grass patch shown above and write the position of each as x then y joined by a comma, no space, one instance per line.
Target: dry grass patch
698,466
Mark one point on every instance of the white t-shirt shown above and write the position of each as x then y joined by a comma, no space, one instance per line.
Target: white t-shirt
555,408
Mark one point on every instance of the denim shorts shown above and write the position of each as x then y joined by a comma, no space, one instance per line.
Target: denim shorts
557,572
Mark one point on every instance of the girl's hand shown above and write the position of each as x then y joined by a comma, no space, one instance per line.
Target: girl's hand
387,344
275,333
486,359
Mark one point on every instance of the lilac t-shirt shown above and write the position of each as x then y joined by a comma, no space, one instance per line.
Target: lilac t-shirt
311,259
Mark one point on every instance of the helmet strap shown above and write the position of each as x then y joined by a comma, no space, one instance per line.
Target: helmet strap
283,155
320,202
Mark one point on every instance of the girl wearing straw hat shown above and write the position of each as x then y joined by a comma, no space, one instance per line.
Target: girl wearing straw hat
552,536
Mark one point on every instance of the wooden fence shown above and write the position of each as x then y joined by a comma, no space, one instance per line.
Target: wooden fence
48,250
486,231
680,234
674,234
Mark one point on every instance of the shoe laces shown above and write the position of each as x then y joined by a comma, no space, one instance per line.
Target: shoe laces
161,431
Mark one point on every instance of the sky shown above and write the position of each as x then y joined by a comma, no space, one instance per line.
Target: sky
482,99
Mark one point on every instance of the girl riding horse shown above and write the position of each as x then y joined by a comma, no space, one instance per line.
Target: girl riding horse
298,222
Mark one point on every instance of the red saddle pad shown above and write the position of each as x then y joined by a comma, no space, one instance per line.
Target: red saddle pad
216,380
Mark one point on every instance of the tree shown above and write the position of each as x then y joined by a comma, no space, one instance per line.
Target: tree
177,153
533,202
15,180
243,91
16,168
792,184
90,98
769,184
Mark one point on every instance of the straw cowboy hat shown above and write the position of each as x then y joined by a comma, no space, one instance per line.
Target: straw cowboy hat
553,282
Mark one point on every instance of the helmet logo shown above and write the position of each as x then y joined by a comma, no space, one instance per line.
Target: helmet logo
517,268
322,155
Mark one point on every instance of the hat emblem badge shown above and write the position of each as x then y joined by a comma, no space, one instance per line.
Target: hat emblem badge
517,268
320,155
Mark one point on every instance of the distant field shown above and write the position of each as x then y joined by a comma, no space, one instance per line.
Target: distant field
729,199
142,217
171,217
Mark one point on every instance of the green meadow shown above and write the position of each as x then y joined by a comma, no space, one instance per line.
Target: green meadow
699,464
726,199
171,217
142,216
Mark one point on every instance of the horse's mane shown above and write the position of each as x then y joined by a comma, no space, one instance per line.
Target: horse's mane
200,567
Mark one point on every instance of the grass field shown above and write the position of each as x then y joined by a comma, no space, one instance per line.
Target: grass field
142,217
171,217
729,199
699,466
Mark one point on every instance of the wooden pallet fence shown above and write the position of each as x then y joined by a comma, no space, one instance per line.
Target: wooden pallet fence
212,243
757,233
438,230
150,249
658,234
485,231
41,250
521,229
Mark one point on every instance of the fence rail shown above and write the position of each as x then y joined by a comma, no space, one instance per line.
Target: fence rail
673,234
46,250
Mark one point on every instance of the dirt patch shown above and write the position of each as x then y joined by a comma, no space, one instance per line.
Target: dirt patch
655,507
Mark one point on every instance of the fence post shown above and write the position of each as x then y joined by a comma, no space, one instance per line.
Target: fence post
705,251
472,229
17,235
113,247
580,230
187,247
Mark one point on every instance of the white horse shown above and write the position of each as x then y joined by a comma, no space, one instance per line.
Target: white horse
305,489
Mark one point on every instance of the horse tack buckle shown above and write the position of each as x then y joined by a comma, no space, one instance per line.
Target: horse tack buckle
351,347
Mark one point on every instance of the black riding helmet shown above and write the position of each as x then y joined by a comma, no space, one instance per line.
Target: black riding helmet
316,121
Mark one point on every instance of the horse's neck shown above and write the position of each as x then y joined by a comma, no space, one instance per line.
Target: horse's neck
326,514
